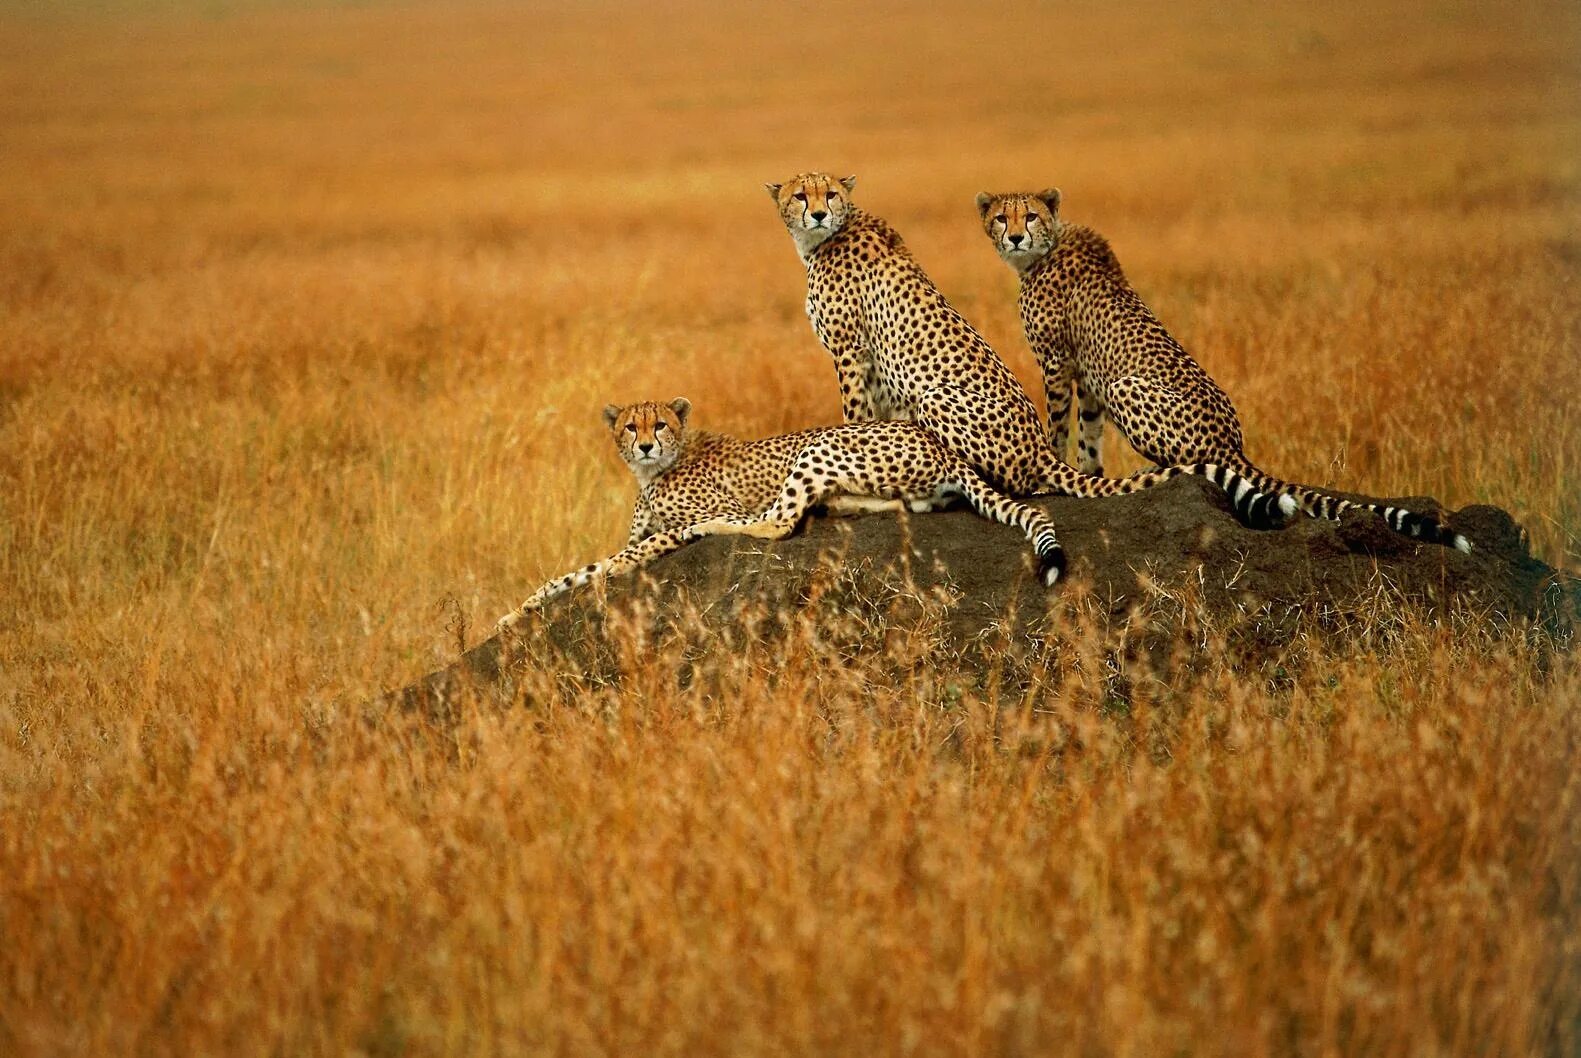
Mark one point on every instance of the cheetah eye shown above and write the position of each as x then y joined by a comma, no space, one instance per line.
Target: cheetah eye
660,425
1032,218
1001,219
631,427
800,196
831,197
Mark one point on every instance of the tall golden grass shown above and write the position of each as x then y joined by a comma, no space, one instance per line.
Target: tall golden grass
307,318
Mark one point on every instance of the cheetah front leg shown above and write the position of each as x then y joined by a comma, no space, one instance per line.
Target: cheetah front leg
1058,377
852,365
641,522
627,560
1088,448
856,399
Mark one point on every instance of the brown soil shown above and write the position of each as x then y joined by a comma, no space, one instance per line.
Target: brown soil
1178,542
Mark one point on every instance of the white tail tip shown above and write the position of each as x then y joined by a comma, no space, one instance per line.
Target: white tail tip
1462,544
1288,504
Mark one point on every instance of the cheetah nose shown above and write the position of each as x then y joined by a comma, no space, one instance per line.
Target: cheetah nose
819,214
645,447
1015,240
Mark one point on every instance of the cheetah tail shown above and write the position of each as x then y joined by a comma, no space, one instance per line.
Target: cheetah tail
1257,499
1321,504
1255,506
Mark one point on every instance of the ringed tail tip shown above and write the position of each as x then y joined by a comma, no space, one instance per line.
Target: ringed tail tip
1051,566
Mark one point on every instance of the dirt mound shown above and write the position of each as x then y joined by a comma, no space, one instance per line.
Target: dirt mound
1125,551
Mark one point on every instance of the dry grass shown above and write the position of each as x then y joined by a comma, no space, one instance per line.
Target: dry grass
307,315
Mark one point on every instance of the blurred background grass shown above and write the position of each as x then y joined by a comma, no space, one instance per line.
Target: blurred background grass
307,312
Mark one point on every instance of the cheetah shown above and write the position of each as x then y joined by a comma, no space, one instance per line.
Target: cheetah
693,484
902,352
1088,326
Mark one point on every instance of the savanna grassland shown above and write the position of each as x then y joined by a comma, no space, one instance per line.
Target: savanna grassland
306,316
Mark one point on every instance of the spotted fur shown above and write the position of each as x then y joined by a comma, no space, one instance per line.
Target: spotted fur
693,484
1089,328
902,352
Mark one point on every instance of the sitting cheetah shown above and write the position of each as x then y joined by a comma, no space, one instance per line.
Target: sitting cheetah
692,485
902,352
1085,323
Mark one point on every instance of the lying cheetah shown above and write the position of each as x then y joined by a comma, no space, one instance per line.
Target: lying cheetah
902,352
1085,323
694,484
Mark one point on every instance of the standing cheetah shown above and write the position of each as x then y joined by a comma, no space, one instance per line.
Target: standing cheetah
1085,323
692,485
902,352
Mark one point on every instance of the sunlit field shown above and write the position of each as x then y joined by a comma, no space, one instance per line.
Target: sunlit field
306,318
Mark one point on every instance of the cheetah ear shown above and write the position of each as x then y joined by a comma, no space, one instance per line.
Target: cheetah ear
611,413
983,201
682,408
1049,196
773,190
849,183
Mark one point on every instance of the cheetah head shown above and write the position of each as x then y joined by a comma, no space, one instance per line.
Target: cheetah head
1022,225
813,206
648,434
